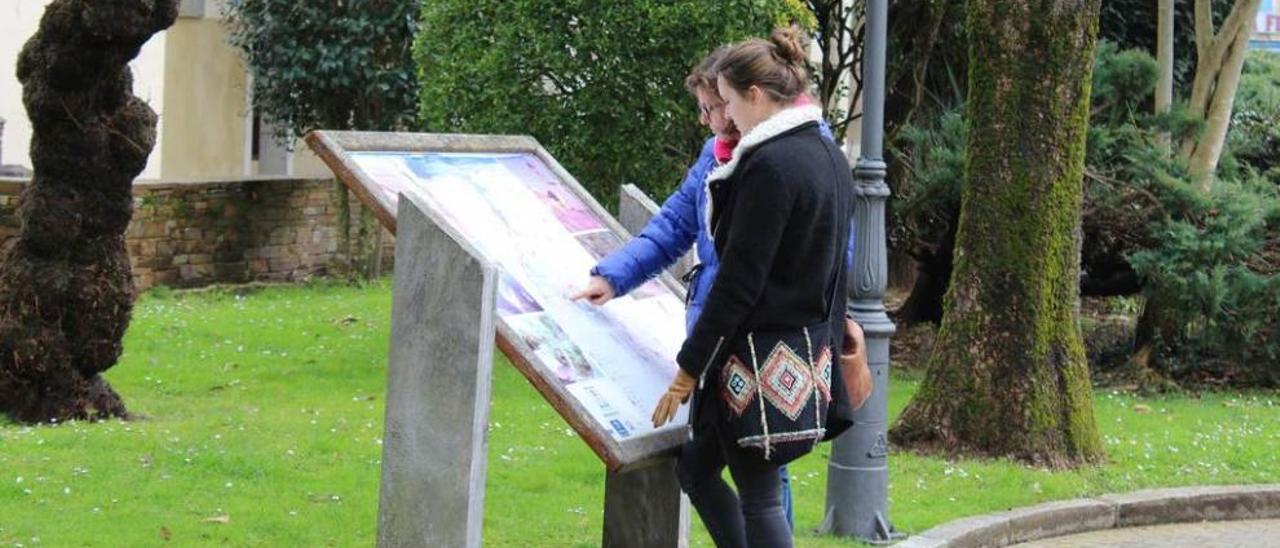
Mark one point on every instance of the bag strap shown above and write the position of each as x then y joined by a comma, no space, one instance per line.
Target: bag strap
835,278
840,252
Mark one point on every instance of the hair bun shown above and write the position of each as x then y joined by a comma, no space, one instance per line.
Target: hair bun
790,43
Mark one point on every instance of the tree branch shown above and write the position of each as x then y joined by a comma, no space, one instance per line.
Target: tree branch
1242,14
1204,29
1207,85
1240,19
1204,162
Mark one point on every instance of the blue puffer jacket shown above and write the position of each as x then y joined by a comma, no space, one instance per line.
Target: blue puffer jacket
677,226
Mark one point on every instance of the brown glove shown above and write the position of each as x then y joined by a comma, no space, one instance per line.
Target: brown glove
677,394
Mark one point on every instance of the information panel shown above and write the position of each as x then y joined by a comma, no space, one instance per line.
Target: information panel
602,367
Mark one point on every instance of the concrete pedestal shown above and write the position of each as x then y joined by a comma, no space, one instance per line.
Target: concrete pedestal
438,388
644,508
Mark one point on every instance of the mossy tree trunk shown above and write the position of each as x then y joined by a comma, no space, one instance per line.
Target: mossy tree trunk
1008,376
66,290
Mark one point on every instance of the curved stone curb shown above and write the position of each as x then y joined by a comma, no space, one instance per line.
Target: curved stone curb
1151,507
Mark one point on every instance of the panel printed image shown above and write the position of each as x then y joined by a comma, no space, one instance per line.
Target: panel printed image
513,300
600,243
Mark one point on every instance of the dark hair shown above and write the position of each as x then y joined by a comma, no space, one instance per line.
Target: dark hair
703,75
776,65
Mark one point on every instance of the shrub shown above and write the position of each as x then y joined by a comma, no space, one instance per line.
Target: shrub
331,64
1216,264
599,84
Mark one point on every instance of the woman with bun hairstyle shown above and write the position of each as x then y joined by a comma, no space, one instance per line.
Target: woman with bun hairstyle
680,223
778,214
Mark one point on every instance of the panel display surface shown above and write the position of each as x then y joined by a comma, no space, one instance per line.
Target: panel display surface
615,359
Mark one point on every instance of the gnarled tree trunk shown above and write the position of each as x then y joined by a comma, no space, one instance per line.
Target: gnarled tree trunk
66,290
1008,376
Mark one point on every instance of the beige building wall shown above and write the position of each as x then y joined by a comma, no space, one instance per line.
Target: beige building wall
206,116
148,85
210,119
19,20
307,164
189,75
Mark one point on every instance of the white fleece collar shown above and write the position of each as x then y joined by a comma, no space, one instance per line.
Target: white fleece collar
781,122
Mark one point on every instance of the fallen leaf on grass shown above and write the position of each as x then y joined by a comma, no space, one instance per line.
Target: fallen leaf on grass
224,519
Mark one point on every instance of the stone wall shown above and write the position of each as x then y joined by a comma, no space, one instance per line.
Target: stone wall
9,189
195,233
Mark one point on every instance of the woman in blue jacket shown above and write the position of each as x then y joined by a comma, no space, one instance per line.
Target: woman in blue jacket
681,223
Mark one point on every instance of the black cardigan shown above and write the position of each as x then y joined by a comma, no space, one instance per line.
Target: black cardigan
779,231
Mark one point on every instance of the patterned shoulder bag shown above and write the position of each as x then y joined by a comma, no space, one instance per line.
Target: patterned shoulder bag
778,402
776,387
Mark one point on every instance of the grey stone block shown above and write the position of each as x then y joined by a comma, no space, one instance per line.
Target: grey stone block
1152,507
643,508
438,388
1218,503
1054,519
1019,525
977,531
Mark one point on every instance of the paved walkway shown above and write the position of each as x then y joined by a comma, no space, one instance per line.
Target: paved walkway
1218,534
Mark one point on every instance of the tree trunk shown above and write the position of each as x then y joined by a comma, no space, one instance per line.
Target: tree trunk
840,41
1008,376
368,242
1157,326
1164,63
933,273
66,290
1107,273
1203,162
1219,60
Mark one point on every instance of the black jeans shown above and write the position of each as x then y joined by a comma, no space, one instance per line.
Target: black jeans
753,517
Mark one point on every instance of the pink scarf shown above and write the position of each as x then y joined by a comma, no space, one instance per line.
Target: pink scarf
723,150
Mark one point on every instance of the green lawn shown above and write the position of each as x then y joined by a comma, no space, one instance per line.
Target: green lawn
263,415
